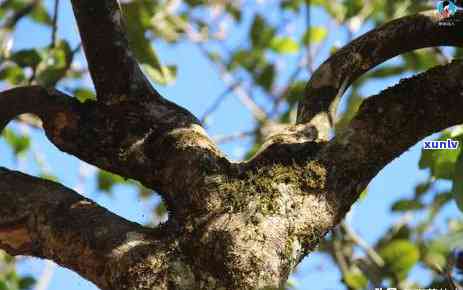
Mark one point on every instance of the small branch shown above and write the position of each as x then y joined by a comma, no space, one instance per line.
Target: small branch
243,96
334,76
55,23
371,253
232,137
218,101
114,70
44,219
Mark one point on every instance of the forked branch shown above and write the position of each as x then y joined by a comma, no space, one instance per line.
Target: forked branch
389,123
399,36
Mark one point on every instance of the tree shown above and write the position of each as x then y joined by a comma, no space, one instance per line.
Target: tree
232,225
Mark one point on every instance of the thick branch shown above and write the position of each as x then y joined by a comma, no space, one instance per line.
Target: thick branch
389,123
152,142
114,70
334,76
44,219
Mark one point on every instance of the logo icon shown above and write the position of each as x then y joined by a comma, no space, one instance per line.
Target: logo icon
446,9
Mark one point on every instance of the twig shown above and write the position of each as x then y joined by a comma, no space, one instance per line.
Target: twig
47,274
371,253
229,138
308,26
55,23
240,92
229,80
218,101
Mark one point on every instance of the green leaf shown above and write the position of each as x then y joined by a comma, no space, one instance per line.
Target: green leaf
165,76
40,15
19,143
261,32
457,187
356,280
13,74
353,7
234,11
26,58
284,45
55,63
266,78
3,285
440,199
106,180
83,94
26,283
138,21
314,35
406,205
420,60
422,188
294,5
363,194
400,256
49,177
436,252
251,60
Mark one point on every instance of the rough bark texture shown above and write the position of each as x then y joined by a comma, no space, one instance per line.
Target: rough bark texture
231,225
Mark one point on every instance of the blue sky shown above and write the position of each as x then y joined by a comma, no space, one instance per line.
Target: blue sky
197,86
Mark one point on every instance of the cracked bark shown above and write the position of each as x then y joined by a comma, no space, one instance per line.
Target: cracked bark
231,225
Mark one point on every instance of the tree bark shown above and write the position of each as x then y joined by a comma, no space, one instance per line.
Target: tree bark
231,225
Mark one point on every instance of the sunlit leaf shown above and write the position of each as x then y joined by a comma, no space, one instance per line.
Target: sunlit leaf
315,35
13,74
400,256
284,45
356,280
19,143
83,94
165,76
